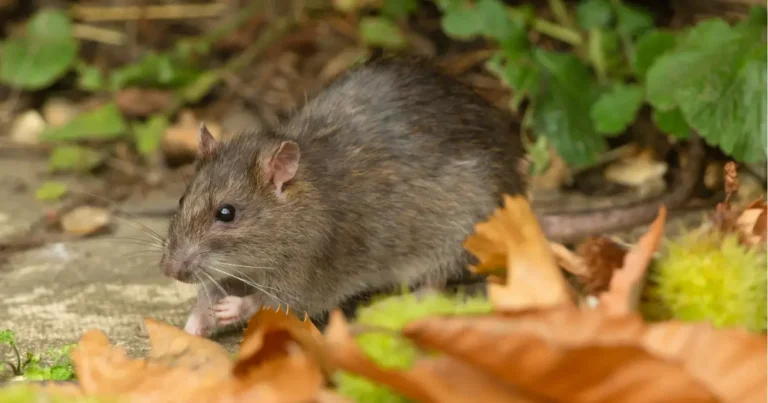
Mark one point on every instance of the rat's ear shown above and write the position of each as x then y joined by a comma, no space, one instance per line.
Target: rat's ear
282,165
206,144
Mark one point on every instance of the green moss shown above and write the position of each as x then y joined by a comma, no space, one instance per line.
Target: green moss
24,393
391,351
710,277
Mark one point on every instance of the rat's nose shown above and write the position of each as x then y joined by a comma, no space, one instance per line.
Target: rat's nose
178,267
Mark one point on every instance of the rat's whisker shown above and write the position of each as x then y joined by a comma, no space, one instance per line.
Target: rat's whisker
150,242
250,283
143,228
205,289
226,294
246,266
266,286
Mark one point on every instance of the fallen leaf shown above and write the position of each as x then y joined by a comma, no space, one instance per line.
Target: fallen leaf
27,127
85,220
267,332
568,260
602,256
442,379
751,223
141,102
566,354
637,170
180,140
179,348
51,191
512,239
623,293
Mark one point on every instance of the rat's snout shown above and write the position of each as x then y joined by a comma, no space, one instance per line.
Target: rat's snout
180,266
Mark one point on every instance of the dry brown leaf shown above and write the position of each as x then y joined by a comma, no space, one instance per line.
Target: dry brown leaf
512,239
565,354
751,223
266,336
602,257
442,379
178,348
568,260
180,140
141,102
624,290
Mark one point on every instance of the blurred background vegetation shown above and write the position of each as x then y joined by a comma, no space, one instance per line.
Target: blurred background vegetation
117,89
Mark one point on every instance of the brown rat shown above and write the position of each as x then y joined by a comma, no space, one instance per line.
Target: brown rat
373,184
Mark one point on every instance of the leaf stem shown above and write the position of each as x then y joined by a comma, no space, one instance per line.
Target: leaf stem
551,29
561,13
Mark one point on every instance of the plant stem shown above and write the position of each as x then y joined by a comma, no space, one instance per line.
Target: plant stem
561,12
551,29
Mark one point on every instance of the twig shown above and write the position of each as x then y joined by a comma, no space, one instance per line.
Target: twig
98,34
154,12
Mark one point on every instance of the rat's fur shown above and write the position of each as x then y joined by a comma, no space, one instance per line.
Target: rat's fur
397,163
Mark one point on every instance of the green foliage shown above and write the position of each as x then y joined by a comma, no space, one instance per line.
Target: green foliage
161,70
399,8
103,123
389,350
54,365
380,31
672,122
25,393
617,108
74,158
649,47
716,75
594,14
149,134
43,55
51,191
710,277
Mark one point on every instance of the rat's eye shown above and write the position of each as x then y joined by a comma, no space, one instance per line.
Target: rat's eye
225,213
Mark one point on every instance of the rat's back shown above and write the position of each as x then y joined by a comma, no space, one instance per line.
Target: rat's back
407,161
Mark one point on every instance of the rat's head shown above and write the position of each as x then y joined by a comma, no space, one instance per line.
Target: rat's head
240,214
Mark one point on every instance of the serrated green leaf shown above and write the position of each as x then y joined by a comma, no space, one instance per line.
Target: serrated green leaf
74,158
379,31
149,135
51,191
594,14
399,8
616,109
566,93
716,75
672,122
632,21
8,337
43,55
104,123
649,47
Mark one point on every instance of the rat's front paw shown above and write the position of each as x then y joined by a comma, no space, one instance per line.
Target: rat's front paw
234,309
199,324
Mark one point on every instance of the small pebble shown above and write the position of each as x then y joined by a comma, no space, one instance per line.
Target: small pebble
27,127
85,220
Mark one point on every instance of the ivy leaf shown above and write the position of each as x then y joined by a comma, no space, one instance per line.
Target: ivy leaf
649,47
150,134
379,31
43,55
74,158
716,75
104,123
594,14
566,93
399,8
632,21
672,122
616,109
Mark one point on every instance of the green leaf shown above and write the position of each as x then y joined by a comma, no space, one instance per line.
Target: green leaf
649,47
104,123
538,153
566,93
758,15
200,87
594,14
8,337
399,8
74,158
488,18
605,53
379,31
44,55
62,373
89,78
632,21
616,109
716,75
51,191
150,134
155,70
672,122
523,77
